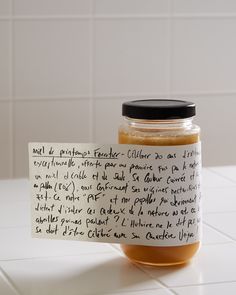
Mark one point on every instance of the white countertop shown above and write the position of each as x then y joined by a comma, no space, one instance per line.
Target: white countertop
47,267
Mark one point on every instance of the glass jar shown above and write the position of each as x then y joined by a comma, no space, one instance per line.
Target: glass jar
159,122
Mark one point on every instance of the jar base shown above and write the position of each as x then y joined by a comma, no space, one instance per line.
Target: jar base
160,256
157,264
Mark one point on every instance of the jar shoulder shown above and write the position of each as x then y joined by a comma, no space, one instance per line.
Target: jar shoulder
151,131
144,136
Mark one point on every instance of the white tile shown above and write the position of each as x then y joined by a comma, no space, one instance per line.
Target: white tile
219,200
212,180
131,56
203,55
51,58
225,222
16,243
131,7
5,139
116,247
5,287
87,274
51,7
14,190
14,213
106,123
213,264
227,171
211,236
5,7
216,289
48,121
5,65
218,144
204,6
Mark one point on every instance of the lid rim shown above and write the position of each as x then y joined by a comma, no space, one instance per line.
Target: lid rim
154,109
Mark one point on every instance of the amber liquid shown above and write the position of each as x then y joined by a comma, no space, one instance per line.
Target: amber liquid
156,255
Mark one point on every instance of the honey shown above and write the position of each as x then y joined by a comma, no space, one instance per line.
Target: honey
159,123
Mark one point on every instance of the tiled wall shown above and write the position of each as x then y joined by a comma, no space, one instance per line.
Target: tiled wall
66,66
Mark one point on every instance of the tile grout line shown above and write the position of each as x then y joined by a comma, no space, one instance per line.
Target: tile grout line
133,292
13,93
122,16
170,50
117,96
219,231
231,186
91,73
223,176
210,188
218,244
163,285
173,291
53,98
56,256
219,212
11,149
9,282
166,16
204,284
11,111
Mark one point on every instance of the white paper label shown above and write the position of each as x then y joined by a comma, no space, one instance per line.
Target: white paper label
131,194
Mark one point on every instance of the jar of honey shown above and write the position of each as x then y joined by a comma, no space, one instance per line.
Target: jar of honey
160,122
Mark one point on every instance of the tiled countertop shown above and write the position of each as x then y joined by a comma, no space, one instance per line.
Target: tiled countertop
47,267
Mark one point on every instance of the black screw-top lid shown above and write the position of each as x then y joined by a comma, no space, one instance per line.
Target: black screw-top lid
158,109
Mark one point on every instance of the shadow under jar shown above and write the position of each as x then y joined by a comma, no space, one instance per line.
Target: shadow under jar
159,122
